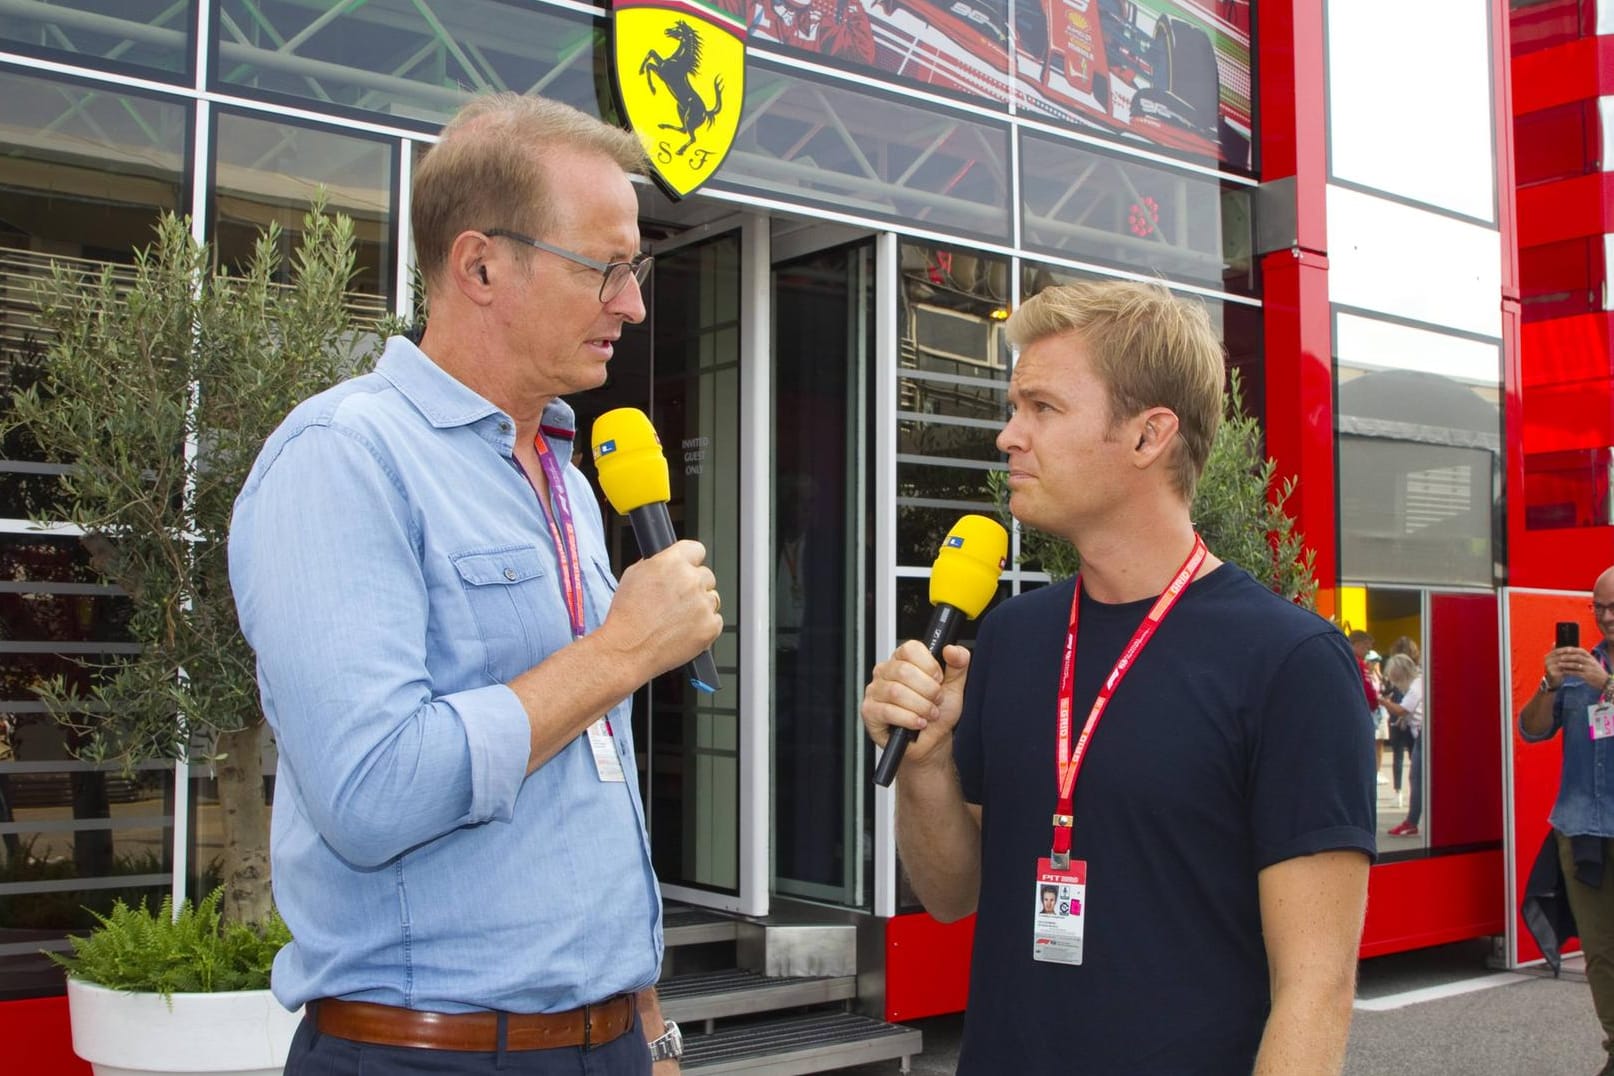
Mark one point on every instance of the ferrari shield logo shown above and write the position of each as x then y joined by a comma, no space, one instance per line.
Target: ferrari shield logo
679,67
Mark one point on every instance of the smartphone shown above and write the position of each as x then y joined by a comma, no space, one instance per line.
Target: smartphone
1568,633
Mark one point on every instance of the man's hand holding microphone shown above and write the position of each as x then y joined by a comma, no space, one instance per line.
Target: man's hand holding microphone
921,686
667,611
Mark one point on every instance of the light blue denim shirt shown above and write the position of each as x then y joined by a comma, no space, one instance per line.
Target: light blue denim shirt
1585,803
393,571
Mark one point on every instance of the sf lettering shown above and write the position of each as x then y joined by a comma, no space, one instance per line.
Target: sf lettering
696,158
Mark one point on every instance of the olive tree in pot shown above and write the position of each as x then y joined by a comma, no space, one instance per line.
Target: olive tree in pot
158,386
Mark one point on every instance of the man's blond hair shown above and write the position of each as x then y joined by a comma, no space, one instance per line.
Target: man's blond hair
1149,347
486,170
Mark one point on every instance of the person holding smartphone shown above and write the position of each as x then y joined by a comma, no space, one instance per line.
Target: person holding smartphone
1576,694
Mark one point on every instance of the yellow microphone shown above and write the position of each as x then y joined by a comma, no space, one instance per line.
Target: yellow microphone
962,581
633,473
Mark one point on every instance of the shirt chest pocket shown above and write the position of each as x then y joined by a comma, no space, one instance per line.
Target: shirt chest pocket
516,603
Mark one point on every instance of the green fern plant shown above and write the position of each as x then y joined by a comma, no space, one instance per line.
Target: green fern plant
196,951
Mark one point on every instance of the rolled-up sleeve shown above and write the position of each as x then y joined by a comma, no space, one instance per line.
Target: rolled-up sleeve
1552,729
325,563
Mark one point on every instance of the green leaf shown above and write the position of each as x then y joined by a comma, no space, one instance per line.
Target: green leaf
137,949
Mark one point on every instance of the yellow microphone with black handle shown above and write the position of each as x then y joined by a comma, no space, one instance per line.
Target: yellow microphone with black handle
962,582
633,473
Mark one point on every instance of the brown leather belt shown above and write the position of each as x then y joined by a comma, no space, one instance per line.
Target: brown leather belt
388,1025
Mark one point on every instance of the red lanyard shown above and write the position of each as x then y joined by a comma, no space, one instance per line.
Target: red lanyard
564,533
1070,762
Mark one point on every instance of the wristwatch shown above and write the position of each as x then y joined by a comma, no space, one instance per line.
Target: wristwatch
670,1046
1547,686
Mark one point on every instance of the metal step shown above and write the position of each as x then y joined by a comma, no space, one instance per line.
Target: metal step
684,924
716,994
800,1044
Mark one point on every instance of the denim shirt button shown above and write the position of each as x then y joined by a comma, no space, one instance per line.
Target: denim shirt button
510,574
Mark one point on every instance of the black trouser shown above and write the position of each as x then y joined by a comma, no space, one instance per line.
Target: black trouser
1400,747
313,1054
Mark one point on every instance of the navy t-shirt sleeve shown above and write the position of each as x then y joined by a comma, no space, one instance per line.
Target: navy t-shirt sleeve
1313,785
968,739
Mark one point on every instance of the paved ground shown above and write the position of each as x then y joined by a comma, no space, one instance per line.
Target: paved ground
1438,1012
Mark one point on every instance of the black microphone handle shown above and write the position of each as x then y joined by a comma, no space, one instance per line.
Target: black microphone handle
653,529
945,622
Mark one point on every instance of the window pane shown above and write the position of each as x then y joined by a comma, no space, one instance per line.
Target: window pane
84,172
83,177
106,833
1394,619
855,150
1103,207
1239,325
406,60
1420,434
1164,72
958,48
953,379
153,36
1574,488
268,171
823,600
1540,24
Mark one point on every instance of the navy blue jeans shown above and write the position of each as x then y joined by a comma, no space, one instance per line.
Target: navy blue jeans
313,1054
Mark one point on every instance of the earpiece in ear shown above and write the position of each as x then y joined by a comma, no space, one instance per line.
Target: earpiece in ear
483,271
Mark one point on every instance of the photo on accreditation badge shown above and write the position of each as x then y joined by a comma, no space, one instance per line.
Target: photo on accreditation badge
1053,899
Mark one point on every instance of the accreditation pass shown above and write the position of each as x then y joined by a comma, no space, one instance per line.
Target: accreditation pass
1061,912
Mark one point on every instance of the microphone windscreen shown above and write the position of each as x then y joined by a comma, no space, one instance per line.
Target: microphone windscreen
966,571
633,471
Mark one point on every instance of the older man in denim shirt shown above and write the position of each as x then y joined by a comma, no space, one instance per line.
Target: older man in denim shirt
444,655
1577,696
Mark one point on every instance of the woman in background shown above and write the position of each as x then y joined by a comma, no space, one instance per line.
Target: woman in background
1406,679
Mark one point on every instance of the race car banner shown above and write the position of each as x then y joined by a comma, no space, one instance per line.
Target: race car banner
679,68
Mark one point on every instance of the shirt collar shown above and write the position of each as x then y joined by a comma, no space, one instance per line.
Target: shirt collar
445,401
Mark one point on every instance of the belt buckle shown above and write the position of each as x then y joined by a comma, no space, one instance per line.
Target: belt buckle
588,1027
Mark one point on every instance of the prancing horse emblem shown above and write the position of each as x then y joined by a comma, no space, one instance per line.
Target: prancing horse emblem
675,72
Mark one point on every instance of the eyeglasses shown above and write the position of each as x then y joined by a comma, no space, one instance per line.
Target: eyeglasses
1599,608
613,275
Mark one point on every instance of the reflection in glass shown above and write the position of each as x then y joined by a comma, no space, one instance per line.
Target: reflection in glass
1395,621
952,381
1104,207
952,46
410,61
822,602
694,738
1574,488
1169,73
83,175
1238,324
855,150
61,819
270,171
1419,455
83,172
151,34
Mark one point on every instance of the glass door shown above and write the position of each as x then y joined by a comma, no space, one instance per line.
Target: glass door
682,367
823,322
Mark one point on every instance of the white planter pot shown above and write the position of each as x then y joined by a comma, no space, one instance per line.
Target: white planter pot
244,1033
